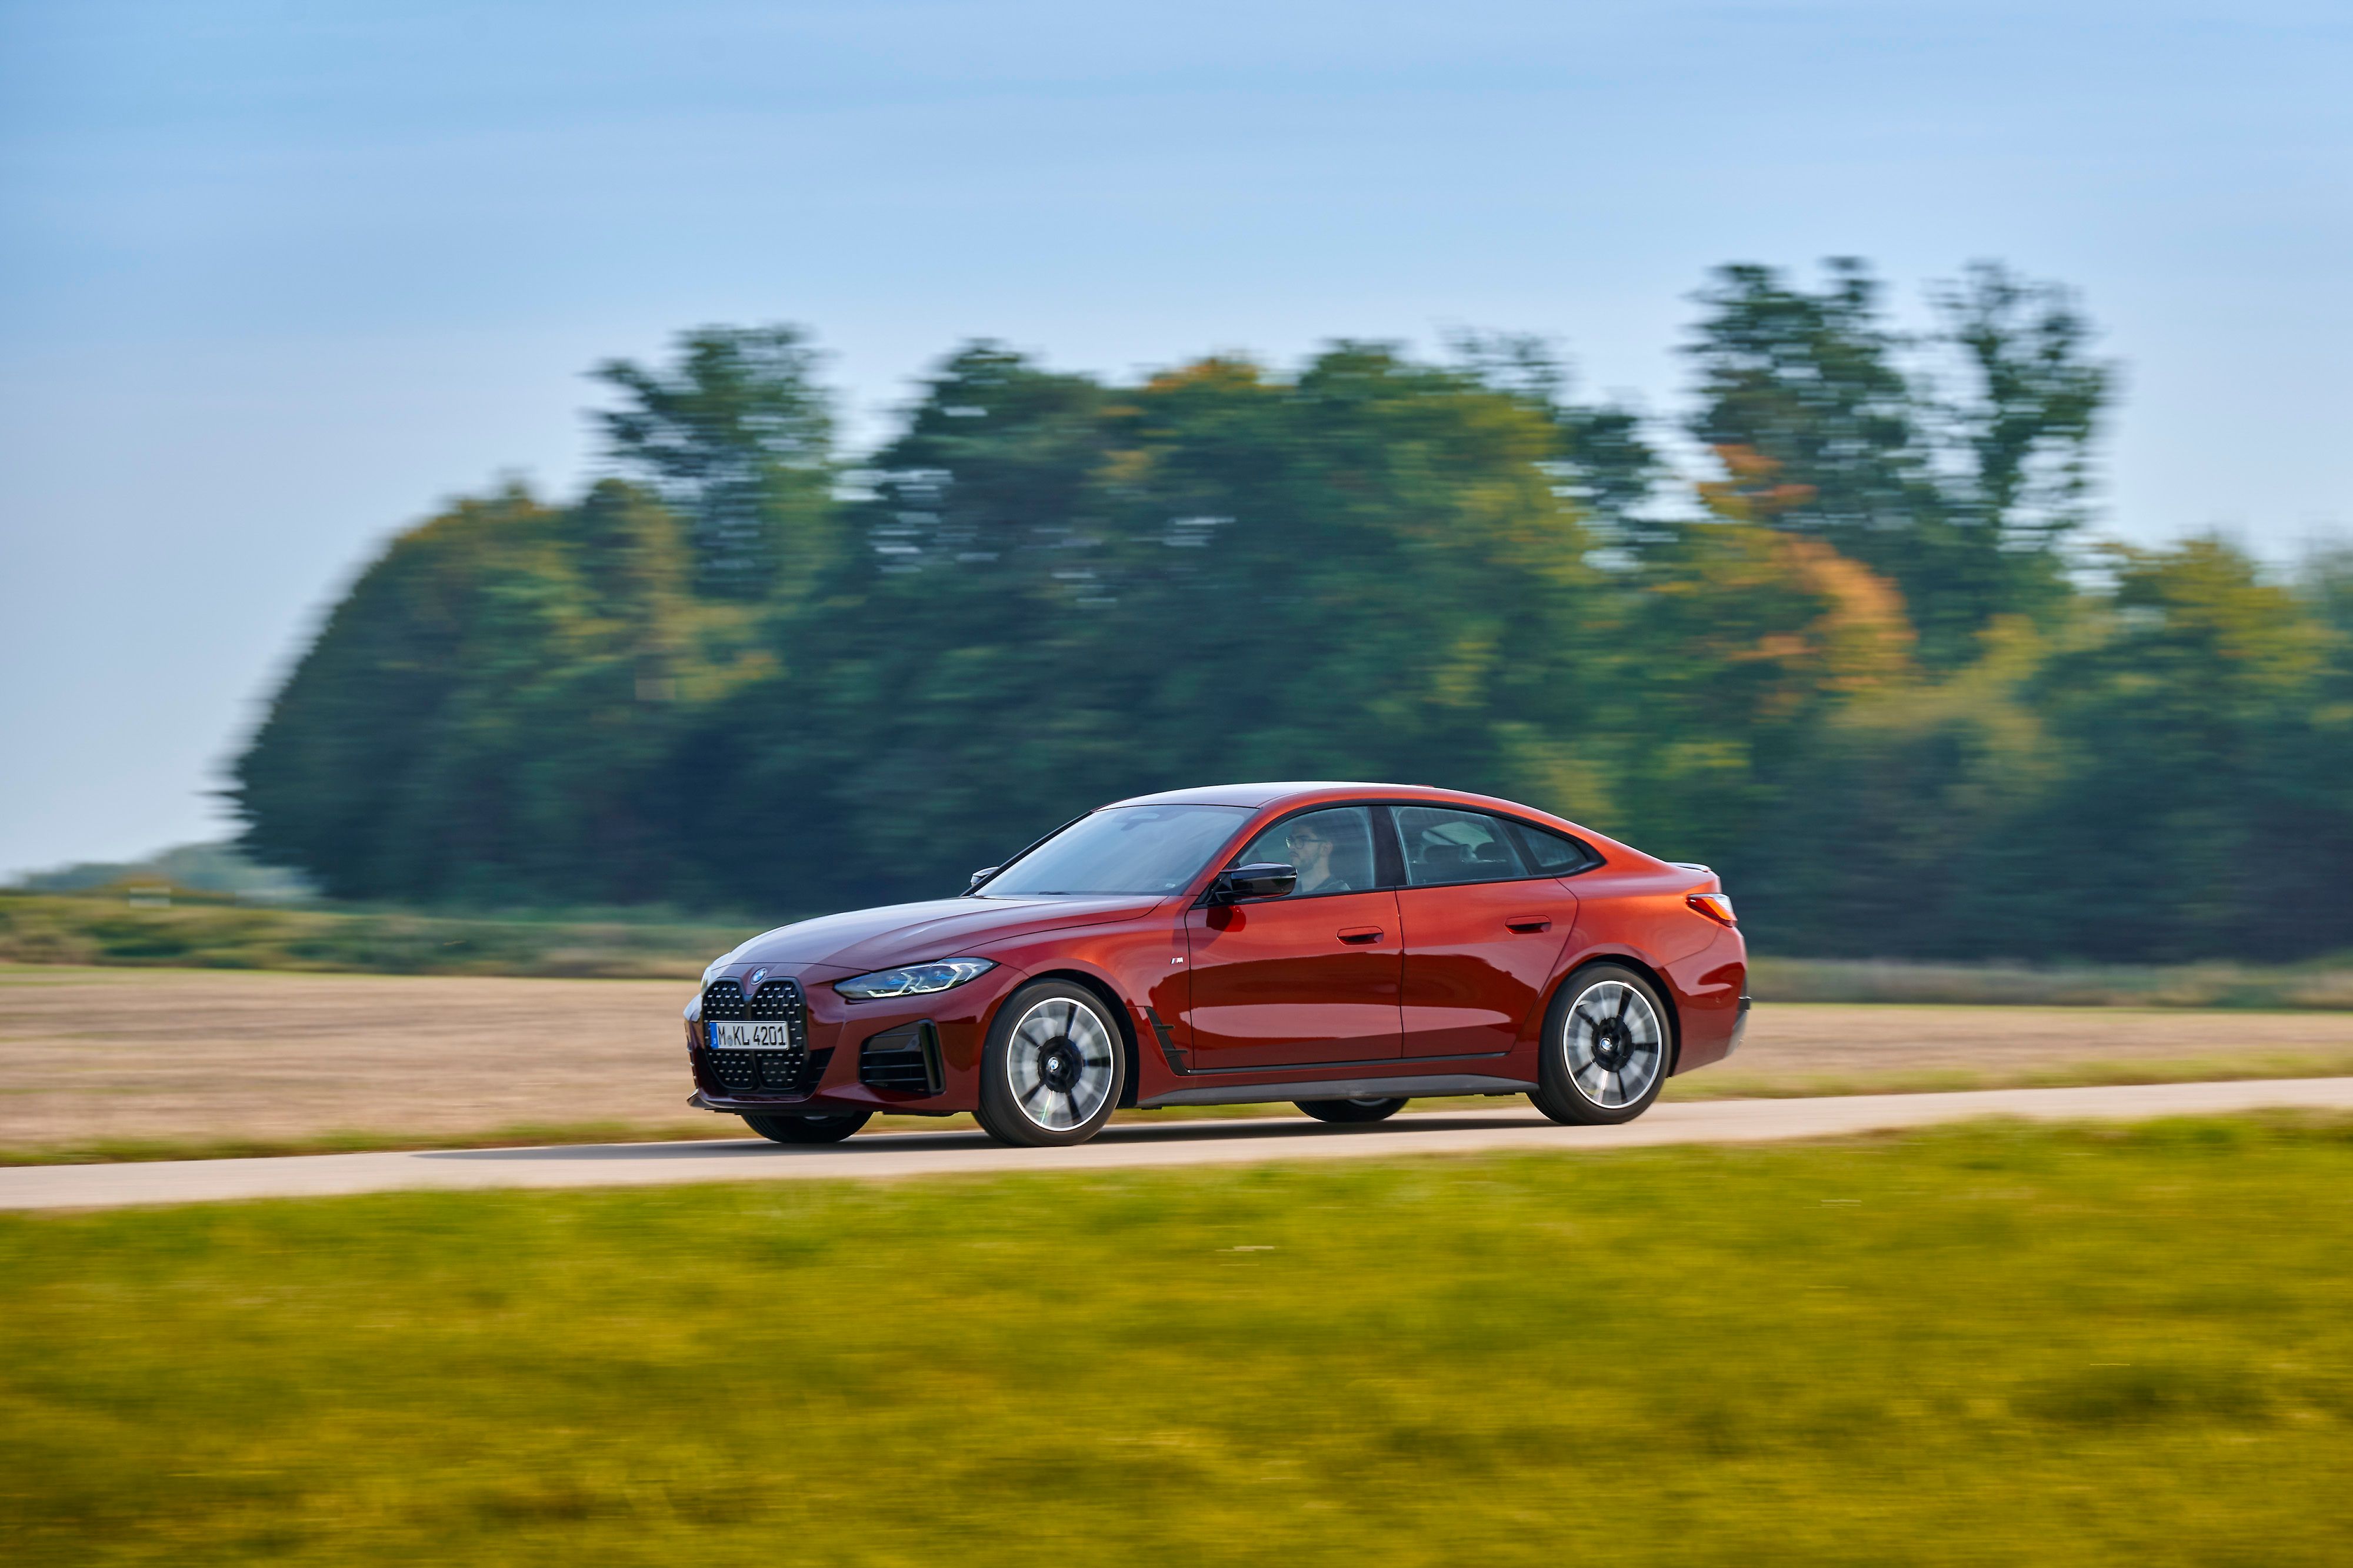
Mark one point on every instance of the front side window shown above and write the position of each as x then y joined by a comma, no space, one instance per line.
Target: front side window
1135,849
1331,849
1443,845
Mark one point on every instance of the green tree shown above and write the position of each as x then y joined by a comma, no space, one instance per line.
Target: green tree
1862,684
1966,503
2206,809
1074,594
2161,775
738,436
2032,405
494,712
1605,463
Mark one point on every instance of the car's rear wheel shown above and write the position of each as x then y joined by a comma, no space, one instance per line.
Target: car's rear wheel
1607,1047
1350,1110
1053,1069
830,1126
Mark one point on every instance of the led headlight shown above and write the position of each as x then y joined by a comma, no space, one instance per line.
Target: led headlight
916,979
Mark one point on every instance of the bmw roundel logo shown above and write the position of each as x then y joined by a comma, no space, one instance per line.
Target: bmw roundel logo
758,975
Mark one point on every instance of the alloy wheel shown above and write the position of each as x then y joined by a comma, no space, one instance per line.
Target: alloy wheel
1614,1043
1058,1062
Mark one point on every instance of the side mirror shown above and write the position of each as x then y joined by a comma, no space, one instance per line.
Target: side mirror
1264,881
983,875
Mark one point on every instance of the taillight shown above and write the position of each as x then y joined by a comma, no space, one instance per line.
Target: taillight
1716,907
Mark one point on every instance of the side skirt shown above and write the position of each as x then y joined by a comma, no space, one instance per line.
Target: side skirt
1416,1087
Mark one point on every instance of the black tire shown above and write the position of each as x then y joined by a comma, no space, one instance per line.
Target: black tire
831,1127
1350,1111
1608,1043
1054,1067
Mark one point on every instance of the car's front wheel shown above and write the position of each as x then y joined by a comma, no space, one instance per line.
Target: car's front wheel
831,1127
1053,1070
1350,1110
1606,1047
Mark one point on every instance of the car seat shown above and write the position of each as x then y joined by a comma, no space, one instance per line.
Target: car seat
1353,865
1440,862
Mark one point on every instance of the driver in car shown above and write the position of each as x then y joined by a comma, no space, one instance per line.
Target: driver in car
1311,853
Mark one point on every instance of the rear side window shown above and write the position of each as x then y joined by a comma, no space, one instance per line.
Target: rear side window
1552,854
1443,845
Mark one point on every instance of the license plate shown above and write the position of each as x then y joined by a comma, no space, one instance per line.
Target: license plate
734,1035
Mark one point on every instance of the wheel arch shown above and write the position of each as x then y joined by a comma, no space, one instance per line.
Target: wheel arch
1121,1014
1650,971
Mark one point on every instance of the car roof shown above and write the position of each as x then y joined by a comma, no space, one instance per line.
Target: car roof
1299,792
1275,796
1249,795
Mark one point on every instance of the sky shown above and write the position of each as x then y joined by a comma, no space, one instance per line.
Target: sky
277,281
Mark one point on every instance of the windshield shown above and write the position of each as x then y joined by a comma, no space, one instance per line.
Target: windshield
1122,849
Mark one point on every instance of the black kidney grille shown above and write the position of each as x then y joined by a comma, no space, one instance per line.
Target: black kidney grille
723,999
776,1001
780,999
738,1070
791,1074
793,1071
764,1072
771,1072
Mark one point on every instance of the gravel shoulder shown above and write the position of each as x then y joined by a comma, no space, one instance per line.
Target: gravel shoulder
1186,1143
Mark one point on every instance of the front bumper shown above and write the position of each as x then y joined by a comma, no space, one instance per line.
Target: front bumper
914,1054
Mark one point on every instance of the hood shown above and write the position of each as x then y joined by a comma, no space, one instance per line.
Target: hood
860,940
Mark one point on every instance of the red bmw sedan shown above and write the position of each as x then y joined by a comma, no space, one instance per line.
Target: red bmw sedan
1345,947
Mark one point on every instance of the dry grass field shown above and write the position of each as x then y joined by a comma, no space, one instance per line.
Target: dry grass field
131,1055
129,1062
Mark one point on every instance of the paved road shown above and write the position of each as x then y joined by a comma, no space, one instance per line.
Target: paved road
901,1155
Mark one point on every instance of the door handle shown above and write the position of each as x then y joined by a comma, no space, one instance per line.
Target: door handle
1361,934
1528,925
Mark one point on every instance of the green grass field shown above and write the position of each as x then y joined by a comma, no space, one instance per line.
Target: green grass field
1985,1344
214,933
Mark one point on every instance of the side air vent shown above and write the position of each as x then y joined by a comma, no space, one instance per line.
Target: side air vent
904,1060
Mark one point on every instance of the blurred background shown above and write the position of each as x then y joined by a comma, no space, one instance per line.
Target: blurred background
521,495
749,460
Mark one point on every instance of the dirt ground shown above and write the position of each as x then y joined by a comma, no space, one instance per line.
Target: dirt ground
133,1056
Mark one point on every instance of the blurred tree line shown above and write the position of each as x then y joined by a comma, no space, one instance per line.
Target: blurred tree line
1866,664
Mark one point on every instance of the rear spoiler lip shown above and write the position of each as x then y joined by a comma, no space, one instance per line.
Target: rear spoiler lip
1709,881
